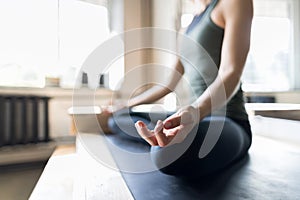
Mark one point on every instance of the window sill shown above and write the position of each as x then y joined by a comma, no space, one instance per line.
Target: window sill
55,91
280,97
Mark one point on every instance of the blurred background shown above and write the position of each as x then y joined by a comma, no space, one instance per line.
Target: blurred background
44,43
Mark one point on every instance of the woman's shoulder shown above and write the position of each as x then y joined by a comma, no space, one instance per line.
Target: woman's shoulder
236,8
231,5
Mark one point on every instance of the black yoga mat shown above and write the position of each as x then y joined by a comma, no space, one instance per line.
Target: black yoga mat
270,171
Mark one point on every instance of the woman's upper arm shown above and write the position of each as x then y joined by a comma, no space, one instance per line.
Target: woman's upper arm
238,16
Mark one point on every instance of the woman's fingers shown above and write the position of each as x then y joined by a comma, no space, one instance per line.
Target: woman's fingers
172,122
145,133
180,134
173,131
184,118
160,136
162,139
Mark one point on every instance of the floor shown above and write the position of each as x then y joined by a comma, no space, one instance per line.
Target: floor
77,175
270,172
18,181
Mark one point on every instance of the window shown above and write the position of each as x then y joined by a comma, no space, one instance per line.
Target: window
270,64
48,38
187,10
28,41
273,60
82,28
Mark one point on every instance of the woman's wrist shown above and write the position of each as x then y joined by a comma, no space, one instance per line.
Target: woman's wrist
130,103
200,110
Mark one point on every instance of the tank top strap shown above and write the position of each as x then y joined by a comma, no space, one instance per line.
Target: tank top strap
211,6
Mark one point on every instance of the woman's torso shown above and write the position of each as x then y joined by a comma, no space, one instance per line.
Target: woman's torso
200,52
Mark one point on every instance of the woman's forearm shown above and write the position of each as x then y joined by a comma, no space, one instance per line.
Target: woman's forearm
149,96
218,93
158,91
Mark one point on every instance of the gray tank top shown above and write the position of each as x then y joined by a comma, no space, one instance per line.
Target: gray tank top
201,55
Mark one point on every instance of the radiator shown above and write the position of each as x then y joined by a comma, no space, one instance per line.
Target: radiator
23,119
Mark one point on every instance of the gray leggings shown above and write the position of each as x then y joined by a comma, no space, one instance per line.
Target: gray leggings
232,145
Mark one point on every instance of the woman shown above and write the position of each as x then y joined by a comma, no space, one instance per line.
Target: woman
222,28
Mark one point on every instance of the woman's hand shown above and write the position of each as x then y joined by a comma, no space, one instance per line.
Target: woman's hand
113,106
172,130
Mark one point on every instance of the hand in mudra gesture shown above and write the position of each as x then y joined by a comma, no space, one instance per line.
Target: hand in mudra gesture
172,130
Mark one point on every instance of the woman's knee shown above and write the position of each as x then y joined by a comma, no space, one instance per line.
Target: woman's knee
173,159
231,142
160,158
124,126
112,125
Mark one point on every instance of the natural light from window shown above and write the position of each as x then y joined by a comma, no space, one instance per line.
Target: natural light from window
268,65
50,38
